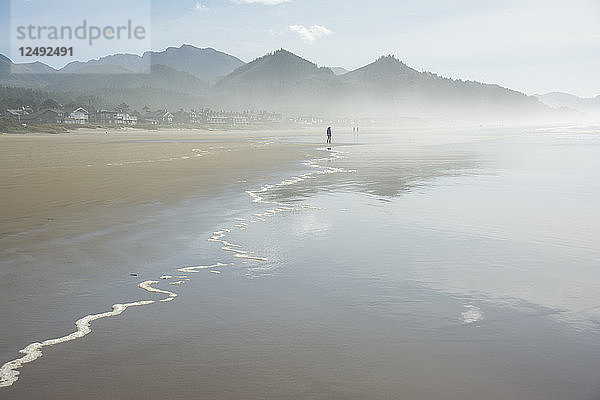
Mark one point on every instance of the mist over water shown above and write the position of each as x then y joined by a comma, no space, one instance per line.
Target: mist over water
448,264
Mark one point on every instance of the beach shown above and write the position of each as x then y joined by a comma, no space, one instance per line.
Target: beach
46,177
84,211
392,264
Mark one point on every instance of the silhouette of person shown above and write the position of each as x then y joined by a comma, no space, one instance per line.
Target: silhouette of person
328,134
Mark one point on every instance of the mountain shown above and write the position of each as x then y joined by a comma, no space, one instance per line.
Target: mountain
389,85
338,70
35,75
380,73
107,76
205,64
275,71
129,62
278,80
587,105
282,81
32,68
159,87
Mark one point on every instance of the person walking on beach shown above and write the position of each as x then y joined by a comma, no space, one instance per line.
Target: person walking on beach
328,134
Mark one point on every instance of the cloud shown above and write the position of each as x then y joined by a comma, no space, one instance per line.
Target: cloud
200,7
309,35
265,2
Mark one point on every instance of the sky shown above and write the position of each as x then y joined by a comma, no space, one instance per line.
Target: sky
533,46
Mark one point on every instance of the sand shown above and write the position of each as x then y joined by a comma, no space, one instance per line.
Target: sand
83,214
47,178
409,276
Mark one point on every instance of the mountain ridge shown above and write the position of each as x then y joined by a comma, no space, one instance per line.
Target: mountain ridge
285,82
206,64
562,100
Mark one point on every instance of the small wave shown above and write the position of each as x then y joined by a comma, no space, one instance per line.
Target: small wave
471,314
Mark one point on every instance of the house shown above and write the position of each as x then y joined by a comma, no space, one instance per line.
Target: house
13,113
238,119
106,117
123,118
79,116
148,120
216,118
187,117
158,117
49,116
17,113
309,120
166,118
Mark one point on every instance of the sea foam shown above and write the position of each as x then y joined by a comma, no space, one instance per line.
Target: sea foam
9,373
471,314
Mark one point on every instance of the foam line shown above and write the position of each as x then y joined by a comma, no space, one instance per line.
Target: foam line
244,255
9,373
181,282
147,286
225,243
200,267
227,248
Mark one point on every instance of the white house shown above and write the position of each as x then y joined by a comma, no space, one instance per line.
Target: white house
78,116
125,119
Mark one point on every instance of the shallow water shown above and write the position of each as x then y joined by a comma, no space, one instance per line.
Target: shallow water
399,264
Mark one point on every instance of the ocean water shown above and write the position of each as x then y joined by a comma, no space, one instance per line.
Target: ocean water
394,264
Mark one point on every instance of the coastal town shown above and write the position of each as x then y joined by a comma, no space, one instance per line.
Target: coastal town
122,116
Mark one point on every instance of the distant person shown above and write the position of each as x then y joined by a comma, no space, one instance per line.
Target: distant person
328,134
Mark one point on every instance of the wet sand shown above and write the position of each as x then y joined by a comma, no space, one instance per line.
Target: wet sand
83,214
45,178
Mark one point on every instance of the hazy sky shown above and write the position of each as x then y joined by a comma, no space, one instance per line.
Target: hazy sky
533,46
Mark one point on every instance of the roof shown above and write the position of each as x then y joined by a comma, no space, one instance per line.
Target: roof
80,109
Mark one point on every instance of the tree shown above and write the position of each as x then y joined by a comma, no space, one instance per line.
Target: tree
49,104
123,107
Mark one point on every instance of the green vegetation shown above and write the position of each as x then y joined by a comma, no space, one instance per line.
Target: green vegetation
9,125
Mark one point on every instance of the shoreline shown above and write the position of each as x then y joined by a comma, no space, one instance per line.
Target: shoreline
10,371
81,229
45,178
240,299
